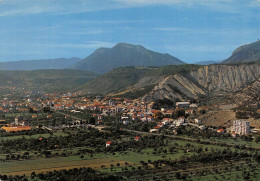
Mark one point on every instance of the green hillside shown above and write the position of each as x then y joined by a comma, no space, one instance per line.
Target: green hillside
120,78
58,63
44,80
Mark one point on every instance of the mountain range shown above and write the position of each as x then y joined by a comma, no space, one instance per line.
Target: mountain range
134,71
121,55
209,62
58,63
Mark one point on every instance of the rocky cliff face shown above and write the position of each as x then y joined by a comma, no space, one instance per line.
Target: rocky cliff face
173,87
211,79
248,96
223,78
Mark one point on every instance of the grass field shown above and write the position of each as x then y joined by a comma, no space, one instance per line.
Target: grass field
49,164
237,142
132,156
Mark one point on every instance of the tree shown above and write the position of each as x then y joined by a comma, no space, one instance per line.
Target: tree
180,113
7,157
33,175
92,120
257,139
246,175
46,109
178,175
31,110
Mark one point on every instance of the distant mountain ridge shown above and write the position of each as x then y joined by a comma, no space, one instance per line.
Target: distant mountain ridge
58,63
123,54
246,53
209,62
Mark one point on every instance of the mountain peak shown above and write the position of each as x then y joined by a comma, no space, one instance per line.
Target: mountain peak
124,54
128,45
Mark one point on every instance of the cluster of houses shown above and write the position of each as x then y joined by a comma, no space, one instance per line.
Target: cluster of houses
131,110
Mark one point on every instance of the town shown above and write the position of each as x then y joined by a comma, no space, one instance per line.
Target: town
127,112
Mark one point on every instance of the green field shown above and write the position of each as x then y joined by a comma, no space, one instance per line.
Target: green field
238,141
48,164
132,156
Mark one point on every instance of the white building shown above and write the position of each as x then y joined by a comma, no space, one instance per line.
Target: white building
197,121
182,104
241,127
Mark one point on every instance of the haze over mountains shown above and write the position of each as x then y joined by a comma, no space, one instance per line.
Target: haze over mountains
121,55
209,62
44,80
58,63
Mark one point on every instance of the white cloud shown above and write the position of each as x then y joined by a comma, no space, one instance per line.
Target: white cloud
24,7
31,10
231,6
87,32
147,2
107,21
89,44
167,29
187,2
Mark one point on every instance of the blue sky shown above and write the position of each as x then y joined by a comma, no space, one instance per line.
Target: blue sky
192,30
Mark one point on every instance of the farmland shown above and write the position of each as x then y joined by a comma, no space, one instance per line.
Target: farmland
153,152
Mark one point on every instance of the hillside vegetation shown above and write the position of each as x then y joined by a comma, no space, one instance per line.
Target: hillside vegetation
58,63
44,80
121,78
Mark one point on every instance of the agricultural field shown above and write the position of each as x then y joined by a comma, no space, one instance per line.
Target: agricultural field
42,152
153,153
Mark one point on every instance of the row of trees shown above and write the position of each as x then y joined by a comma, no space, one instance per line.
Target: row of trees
76,174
